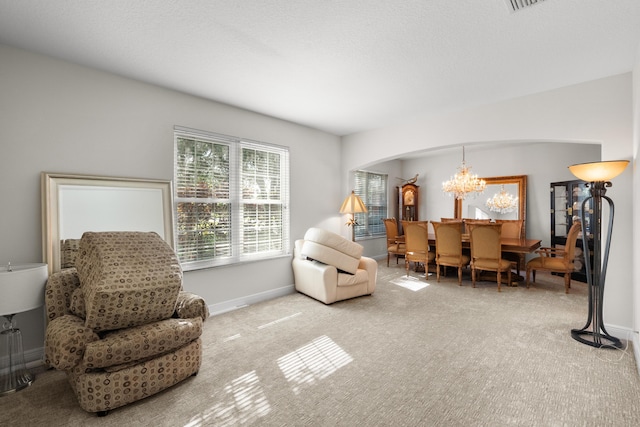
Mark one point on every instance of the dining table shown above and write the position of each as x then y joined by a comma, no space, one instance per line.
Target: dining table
521,247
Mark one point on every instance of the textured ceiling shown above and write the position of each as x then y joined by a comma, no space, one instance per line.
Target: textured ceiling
340,66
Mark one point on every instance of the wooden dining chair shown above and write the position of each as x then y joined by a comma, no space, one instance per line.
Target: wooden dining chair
557,260
512,229
395,243
416,239
486,252
456,221
468,222
449,248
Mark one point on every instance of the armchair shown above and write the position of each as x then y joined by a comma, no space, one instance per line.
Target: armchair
119,323
330,268
557,260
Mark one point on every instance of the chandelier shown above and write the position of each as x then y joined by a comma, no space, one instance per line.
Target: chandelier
502,202
464,182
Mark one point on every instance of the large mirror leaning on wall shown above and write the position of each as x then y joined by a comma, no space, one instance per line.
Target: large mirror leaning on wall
502,188
73,204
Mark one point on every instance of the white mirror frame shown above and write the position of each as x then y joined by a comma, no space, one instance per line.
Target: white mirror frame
158,191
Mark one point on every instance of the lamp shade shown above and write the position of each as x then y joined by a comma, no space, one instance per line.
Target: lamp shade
353,204
22,287
598,171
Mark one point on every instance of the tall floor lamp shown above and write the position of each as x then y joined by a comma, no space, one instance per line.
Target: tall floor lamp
599,176
353,205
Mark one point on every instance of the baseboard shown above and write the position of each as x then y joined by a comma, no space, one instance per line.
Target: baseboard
620,332
33,358
636,349
631,338
234,304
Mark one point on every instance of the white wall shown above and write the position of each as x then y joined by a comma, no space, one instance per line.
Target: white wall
546,162
59,117
636,203
597,112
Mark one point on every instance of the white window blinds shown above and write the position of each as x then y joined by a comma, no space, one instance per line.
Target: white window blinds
231,199
372,189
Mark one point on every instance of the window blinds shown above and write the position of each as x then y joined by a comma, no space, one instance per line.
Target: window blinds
372,189
231,199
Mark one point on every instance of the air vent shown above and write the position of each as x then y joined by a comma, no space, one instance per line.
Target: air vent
516,5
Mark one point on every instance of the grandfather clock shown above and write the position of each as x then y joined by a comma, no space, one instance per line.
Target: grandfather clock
408,202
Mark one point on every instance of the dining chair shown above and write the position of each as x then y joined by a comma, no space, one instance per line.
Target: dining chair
512,229
486,252
457,221
416,239
395,243
557,260
468,222
449,248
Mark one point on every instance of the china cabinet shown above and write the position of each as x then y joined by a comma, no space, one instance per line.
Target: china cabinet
566,207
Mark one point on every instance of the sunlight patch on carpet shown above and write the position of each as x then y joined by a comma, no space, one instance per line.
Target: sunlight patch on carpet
244,403
282,319
313,362
231,338
412,283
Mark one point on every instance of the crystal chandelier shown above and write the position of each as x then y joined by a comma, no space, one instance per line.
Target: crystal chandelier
464,182
502,202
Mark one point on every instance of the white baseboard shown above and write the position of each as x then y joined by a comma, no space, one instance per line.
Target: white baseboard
636,349
33,358
234,304
631,337
620,332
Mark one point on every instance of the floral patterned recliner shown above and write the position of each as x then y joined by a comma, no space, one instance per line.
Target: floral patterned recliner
119,323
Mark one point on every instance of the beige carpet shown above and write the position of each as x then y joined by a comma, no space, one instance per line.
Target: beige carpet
439,355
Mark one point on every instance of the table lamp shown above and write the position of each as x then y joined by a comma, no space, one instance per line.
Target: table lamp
21,289
598,176
352,205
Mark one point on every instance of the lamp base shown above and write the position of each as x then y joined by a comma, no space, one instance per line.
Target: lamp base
598,340
15,376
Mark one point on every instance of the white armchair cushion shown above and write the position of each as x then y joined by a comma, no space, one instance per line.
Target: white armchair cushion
332,249
353,279
335,241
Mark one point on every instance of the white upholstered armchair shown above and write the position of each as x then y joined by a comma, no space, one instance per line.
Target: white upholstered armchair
330,268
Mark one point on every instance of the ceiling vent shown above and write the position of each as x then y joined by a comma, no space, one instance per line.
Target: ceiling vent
516,5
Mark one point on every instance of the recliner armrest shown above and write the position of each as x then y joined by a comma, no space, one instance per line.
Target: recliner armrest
310,271
371,266
58,291
189,306
65,341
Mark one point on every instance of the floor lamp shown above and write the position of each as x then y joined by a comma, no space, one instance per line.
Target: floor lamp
353,205
599,176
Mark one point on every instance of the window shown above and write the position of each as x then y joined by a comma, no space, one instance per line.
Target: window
372,189
231,199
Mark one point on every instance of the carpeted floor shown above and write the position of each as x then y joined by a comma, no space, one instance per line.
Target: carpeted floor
436,355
